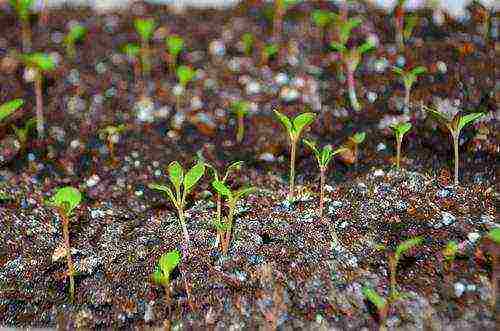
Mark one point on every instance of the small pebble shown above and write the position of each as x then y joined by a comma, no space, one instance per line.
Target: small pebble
459,289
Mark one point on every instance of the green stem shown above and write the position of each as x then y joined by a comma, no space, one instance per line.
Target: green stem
352,91
241,129
292,168
71,270
183,224
455,146
322,190
407,98
398,150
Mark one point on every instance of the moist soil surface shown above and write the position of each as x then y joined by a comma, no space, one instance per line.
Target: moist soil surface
286,268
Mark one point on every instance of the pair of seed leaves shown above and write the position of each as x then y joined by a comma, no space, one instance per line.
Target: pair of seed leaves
409,76
294,127
67,199
165,267
455,124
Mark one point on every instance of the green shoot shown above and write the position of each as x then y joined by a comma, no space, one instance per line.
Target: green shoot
294,129
378,301
323,157
40,63
394,258
66,200
247,40
410,24
449,254
23,8
409,78
455,126
9,108
145,29
494,235
75,34
175,45
351,58
185,75
232,198
112,134
399,129
269,51
241,109
235,166
163,272
182,184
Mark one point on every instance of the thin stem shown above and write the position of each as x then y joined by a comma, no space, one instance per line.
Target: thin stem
292,168
407,98
184,227
71,270
352,91
241,129
219,216
455,145
322,190
398,150
232,205
392,267
40,123
26,35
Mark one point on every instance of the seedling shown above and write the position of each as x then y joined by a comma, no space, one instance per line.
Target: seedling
409,78
235,166
232,199
241,109
247,40
399,129
280,8
350,156
163,272
40,63
23,8
185,75
394,258
294,129
410,24
145,29
323,157
66,199
175,45
76,33
182,186
9,108
132,51
455,126
22,133
112,134
378,301
351,57
269,52
449,253
323,19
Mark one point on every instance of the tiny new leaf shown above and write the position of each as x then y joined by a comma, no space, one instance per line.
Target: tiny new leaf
193,176
407,245
40,61
175,44
185,74
67,198
145,28
10,107
358,138
372,296
176,174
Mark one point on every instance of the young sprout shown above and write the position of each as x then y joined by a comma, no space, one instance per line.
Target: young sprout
112,134
409,78
269,51
232,199
163,272
9,108
323,157
399,129
280,8
175,45
394,258
66,199
410,24
132,51
247,40
455,126
23,8
294,129
75,34
241,109
378,301
323,19
449,253
235,166
350,156
184,74
22,133
145,29
39,63
351,58
182,184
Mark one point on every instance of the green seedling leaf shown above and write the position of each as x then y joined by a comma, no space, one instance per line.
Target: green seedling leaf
469,118
322,18
193,176
240,107
418,70
22,7
400,129
145,28
271,50
328,153
175,45
312,146
372,296
235,166
185,74
222,189
407,245
494,235
165,189
302,121
76,33
247,40
346,28
158,277
398,71
437,115
285,121
67,198
450,251
219,225
411,23
338,47
358,138
40,61
113,129
365,47
169,261
176,174
9,108
22,132
131,50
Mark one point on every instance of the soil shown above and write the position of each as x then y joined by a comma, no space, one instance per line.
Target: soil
286,268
